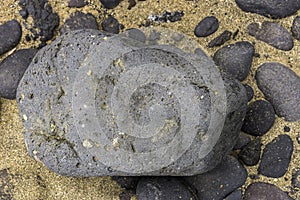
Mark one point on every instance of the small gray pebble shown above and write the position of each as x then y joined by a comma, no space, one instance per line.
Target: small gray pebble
281,86
270,8
273,34
111,25
235,59
110,4
276,157
262,190
206,26
296,28
10,35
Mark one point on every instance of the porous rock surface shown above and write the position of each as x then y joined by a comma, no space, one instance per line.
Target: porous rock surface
111,110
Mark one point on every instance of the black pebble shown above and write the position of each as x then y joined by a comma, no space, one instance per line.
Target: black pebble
162,188
250,92
207,26
77,3
296,28
260,117
250,154
221,39
273,34
235,59
243,140
12,69
79,20
260,190
286,129
221,181
276,157
110,4
10,35
111,25
235,195
270,8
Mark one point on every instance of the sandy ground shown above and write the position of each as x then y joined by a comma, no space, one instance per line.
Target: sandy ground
29,179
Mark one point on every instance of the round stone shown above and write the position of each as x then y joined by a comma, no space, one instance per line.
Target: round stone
115,106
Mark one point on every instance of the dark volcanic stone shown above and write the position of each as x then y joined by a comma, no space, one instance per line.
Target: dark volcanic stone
270,8
250,92
77,3
273,34
250,154
260,117
79,20
221,39
242,141
235,195
10,35
110,4
235,59
281,86
44,19
207,26
162,188
127,182
296,28
221,181
12,69
111,25
266,191
276,157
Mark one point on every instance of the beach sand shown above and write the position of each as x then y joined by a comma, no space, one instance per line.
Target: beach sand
28,179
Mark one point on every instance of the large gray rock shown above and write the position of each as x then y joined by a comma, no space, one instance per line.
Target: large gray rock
94,104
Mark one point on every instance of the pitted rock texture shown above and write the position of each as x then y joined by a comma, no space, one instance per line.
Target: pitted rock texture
116,106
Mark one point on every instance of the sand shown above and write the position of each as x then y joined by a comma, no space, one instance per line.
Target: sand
29,179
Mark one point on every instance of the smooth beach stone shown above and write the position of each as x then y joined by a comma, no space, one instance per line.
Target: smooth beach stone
281,87
250,92
220,39
262,190
12,69
221,181
260,117
250,154
276,157
10,35
235,59
296,28
235,195
206,26
79,20
270,8
161,188
111,110
273,34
